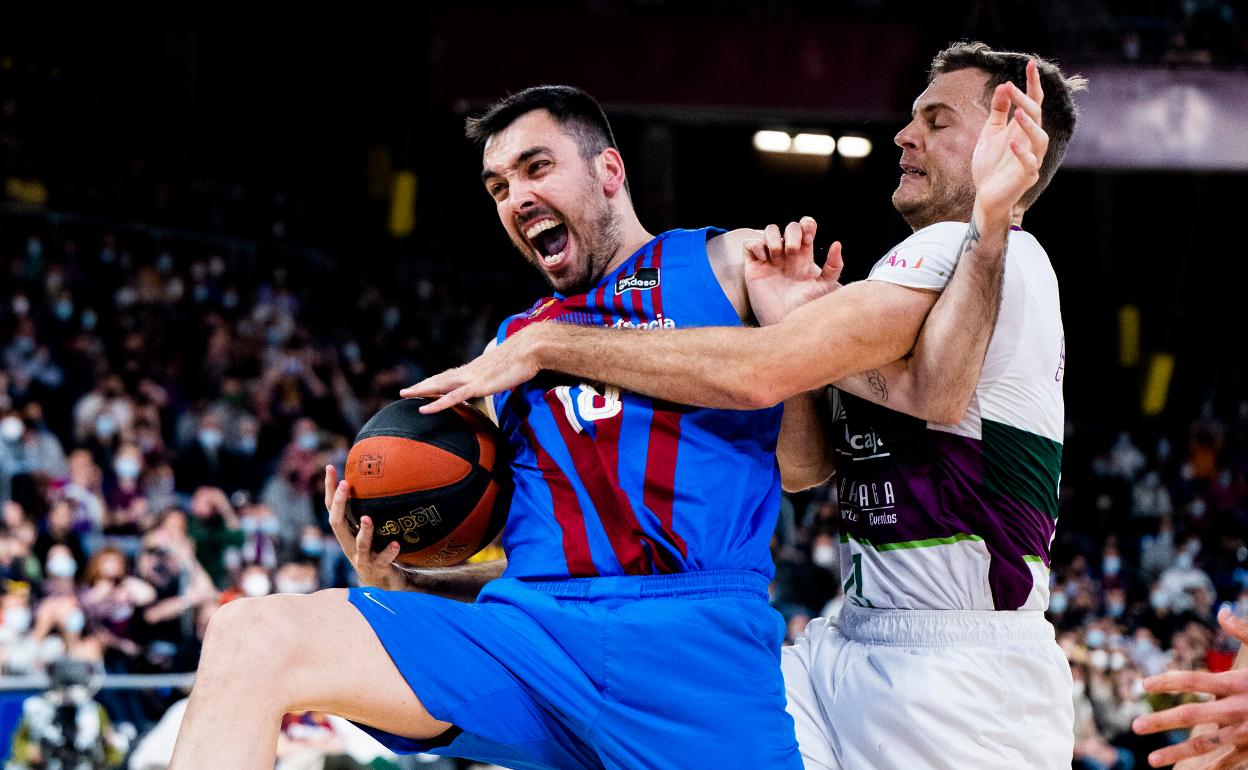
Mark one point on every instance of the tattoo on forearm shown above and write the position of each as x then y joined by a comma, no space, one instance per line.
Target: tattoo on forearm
879,385
972,238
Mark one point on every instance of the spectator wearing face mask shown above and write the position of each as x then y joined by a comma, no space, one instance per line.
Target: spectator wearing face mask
111,422
166,628
16,620
43,449
86,490
61,629
253,581
295,577
289,492
17,559
14,461
121,487
109,596
215,527
59,530
261,532
247,466
203,462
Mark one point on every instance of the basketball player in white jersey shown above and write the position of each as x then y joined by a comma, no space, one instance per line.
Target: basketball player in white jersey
942,657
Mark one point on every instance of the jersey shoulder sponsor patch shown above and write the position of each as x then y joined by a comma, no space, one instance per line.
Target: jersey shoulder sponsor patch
925,260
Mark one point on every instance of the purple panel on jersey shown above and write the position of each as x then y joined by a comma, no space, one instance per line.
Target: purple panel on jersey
902,483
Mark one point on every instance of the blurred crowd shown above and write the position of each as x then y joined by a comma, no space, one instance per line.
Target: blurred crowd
1152,539
168,402
163,436
164,428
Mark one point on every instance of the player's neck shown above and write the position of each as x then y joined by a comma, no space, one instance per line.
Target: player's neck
633,237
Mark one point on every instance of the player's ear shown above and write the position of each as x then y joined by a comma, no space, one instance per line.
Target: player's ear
611,171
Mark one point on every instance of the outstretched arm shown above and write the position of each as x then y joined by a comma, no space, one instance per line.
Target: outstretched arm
820,342
934,382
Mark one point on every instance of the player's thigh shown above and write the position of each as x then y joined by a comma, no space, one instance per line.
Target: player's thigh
814,736
683,673
949,708
328,659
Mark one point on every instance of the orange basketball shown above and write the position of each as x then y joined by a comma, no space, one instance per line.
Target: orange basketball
438,484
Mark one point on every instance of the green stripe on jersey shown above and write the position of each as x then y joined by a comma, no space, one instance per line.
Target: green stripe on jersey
928,543
1022,465
1036,559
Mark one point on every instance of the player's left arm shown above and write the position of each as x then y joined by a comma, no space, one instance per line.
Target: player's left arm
859,327
854,329
936,381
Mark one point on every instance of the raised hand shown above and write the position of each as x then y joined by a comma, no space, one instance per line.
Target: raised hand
1010,149
1223,743
377,570
781,274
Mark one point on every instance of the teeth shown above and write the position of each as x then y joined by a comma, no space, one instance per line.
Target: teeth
540,227
553,258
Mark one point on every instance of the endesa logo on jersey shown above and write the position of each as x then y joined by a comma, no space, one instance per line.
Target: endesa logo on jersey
644,279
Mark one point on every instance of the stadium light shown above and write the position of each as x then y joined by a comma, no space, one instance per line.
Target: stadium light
772,141
854,146
814,144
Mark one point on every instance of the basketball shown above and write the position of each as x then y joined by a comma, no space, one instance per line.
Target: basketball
438,484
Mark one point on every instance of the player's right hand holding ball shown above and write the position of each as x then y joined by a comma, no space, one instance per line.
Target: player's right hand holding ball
376,570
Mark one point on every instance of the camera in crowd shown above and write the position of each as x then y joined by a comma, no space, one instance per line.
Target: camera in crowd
64,728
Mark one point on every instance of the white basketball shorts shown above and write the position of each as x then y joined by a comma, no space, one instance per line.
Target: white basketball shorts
930,690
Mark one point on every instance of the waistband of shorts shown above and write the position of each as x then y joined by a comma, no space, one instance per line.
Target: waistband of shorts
942,628
706,584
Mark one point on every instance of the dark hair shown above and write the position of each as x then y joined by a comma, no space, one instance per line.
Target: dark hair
1058,113
572,108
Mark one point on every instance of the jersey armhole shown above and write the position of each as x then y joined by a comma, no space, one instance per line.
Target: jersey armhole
708,274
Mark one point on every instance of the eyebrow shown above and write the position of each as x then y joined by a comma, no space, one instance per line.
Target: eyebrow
520,159
930,108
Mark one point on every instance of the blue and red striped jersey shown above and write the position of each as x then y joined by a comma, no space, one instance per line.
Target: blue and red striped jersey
614,483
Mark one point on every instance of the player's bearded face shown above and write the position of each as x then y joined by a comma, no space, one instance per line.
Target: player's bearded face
936,149
570,245
552,201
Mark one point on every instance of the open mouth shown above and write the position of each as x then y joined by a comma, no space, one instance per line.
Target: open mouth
911,172
549,237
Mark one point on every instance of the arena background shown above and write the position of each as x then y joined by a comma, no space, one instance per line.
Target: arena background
267,228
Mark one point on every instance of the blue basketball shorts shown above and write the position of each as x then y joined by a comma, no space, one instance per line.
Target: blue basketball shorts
656,672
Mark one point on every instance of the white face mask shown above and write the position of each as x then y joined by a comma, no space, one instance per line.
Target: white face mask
210,438
1057,603
257,584
824,556
11,428
288,586
62,566
1099,660
17,619
74,622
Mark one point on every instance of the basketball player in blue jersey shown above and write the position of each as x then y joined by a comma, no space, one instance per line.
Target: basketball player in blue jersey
942,657
631,628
